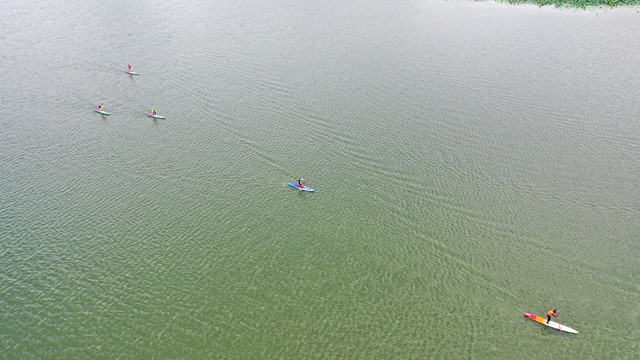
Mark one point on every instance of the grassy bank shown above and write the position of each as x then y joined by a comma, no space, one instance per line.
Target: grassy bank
577,3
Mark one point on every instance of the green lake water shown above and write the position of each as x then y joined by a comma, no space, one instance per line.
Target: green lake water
472,161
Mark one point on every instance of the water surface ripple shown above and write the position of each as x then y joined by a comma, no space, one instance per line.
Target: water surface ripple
471,160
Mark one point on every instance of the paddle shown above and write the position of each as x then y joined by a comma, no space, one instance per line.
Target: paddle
559,327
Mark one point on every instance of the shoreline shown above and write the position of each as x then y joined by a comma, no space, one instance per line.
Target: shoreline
576,4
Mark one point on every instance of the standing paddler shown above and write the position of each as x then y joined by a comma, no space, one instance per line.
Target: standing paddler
551,313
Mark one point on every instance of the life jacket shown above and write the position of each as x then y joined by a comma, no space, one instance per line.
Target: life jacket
551,313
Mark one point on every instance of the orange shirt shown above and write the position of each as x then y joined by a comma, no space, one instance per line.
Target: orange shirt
551,313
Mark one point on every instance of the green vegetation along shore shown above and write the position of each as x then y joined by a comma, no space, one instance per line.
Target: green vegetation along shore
577,3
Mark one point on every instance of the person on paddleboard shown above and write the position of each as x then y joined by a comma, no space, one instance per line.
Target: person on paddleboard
551,313
100,107
129,68
153,111
300,182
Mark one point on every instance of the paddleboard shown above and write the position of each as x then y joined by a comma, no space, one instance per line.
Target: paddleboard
103,112
131,72
551,324
301,188
155,116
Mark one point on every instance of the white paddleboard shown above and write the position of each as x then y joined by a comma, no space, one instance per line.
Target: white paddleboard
560,327
551,324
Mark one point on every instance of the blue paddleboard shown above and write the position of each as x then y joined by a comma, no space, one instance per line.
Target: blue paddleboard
103,112
131,72
156,116
301,188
